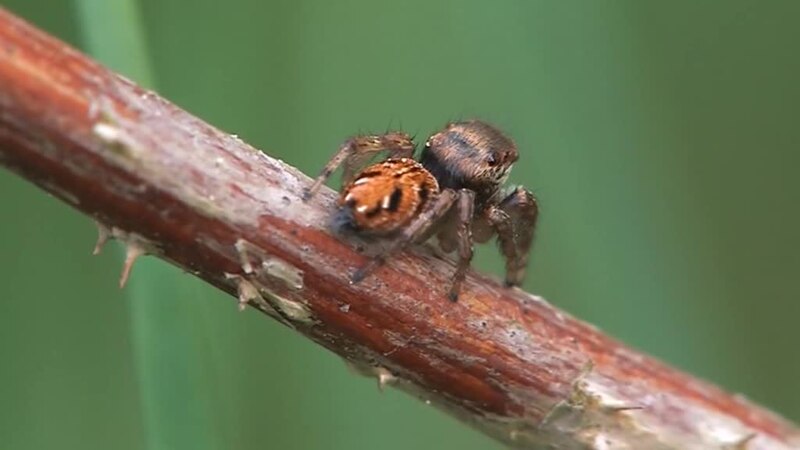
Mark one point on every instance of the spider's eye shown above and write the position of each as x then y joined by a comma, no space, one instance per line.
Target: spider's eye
492,160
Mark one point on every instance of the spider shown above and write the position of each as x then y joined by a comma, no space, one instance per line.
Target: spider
454,192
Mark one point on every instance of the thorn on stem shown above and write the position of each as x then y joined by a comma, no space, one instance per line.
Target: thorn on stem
103,235
132,252
244,258
384,377
573,398
245,290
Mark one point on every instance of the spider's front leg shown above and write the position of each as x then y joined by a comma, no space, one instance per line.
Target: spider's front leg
414,232
514,219
466,207
357,151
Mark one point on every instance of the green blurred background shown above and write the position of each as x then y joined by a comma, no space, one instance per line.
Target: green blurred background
661,137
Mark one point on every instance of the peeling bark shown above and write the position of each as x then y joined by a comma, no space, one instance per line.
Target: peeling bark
502,360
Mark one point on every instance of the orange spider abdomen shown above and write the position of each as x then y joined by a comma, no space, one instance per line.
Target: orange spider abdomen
386,196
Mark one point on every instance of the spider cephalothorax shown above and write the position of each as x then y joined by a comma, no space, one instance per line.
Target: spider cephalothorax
454,192
470,155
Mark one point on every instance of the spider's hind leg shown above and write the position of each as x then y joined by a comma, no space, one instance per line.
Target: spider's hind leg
413,233
357,151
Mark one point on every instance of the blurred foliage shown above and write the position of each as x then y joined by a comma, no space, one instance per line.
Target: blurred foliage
662,139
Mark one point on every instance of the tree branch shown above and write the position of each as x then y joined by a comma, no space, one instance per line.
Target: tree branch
500,359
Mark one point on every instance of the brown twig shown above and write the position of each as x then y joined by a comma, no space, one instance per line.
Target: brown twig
507,362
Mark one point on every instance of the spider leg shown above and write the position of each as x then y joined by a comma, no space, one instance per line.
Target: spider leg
415,230
356,151
515,221
501,222
466,206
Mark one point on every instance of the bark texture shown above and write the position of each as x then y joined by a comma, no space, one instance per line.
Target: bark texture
502,360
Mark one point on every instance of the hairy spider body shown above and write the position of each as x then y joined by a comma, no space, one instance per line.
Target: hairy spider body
454,192
385,197
470,155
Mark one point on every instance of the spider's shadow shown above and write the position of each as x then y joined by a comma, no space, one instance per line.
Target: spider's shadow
341,223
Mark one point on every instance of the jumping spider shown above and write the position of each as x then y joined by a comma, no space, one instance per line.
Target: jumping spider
453,192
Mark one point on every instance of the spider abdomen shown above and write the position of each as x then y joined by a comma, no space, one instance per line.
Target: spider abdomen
386,196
